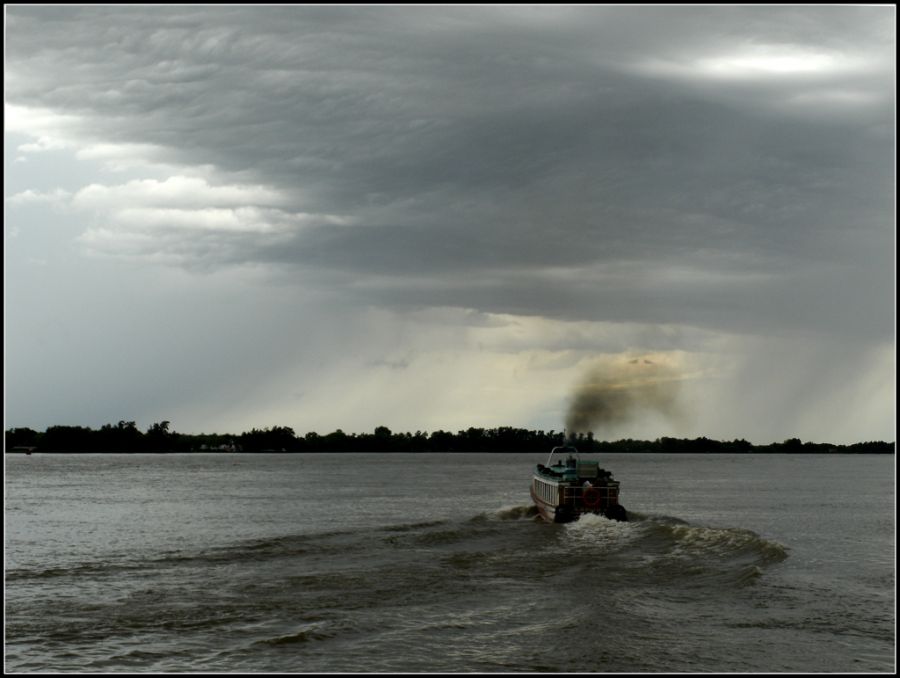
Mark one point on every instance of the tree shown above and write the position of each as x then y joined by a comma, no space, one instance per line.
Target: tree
158,438
21,437
793,445
162,428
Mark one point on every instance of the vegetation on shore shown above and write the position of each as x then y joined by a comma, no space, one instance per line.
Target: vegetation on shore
126,437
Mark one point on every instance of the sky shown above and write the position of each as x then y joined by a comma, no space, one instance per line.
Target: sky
438,217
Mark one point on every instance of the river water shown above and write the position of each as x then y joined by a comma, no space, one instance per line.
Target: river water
437,563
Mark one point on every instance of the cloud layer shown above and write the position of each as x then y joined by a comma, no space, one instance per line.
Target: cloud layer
720,170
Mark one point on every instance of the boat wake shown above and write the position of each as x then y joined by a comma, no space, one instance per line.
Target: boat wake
288,592
515,513
662,547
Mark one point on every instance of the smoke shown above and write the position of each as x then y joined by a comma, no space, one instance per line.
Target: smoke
614,392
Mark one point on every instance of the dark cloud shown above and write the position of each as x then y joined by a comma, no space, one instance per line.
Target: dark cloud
483,149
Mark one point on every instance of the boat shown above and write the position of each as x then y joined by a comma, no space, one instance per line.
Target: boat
567,489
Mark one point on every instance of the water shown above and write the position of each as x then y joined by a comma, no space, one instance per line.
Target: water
431,563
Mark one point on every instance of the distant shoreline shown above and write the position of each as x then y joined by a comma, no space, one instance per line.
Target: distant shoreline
126,438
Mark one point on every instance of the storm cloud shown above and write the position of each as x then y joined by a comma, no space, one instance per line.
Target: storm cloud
725,170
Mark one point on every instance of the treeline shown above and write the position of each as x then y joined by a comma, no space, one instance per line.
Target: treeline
125,436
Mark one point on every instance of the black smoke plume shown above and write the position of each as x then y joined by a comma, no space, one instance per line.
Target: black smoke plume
614,393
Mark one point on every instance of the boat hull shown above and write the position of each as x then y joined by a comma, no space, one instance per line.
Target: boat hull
566,514
545,510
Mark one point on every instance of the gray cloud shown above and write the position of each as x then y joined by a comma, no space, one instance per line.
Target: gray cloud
438,124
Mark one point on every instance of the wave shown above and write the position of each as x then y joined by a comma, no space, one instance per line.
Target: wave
357,540
254,550
653,544
507,513
408,527
666,548
678,536
305,635
79,569
719,542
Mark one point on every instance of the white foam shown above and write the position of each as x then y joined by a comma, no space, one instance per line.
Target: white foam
596,530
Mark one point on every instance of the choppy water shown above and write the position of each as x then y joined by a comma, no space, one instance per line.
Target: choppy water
411,563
